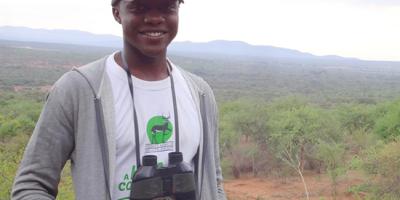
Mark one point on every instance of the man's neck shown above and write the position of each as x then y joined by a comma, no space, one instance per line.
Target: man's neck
142,67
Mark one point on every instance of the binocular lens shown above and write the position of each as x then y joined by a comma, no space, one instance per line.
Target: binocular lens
148,189
175,158
183,183
176,180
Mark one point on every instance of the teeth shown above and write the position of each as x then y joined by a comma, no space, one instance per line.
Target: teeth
153,34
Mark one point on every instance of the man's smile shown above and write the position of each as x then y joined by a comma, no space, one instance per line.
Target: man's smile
153,34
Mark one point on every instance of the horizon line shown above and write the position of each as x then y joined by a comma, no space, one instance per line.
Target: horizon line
175,41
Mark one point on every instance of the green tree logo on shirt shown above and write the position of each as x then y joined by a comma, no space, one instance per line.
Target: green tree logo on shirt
159,129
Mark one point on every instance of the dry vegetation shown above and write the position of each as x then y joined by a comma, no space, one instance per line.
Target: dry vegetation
335,124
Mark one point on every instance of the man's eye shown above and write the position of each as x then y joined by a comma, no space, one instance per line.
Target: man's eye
137,8
172,7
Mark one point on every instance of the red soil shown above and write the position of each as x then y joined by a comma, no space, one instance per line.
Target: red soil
319,187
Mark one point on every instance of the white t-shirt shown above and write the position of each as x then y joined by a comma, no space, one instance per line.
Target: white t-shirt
154,108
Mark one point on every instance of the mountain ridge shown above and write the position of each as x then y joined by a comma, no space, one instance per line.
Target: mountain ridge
215,47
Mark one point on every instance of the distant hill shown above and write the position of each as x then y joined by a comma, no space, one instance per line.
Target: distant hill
58,36
215,48
237,48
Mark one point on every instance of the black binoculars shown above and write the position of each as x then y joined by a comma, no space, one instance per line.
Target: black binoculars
175,181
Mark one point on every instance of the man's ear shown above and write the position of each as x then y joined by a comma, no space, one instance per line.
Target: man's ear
115,12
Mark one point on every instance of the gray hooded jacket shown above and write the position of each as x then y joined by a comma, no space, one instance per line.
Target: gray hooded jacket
77,123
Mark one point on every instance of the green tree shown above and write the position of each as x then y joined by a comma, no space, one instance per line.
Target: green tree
333,156
355,117
383,162
296,129
388,125
243,134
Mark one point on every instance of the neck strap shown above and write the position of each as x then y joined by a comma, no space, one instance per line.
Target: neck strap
130,82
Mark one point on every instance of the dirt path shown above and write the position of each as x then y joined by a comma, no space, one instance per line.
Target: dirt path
289,188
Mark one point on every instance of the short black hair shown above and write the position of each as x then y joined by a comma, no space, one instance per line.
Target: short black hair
115,2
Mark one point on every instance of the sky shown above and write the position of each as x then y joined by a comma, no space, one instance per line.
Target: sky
366,29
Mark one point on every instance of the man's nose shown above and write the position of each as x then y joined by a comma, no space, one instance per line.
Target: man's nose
154,17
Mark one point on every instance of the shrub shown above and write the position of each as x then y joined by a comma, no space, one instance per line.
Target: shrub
388,124
360,140
333,157
11,153
384,163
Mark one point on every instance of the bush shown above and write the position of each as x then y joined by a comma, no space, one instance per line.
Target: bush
18,116
333,157
66,190
243,158
383,162
21,124
355,117
360,140
388,124
11,153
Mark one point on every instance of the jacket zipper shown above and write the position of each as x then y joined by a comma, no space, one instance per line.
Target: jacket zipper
203,146
102,134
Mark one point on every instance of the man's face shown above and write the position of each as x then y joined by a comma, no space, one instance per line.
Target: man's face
148,26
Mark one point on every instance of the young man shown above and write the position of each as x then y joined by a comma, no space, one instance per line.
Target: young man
108,114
